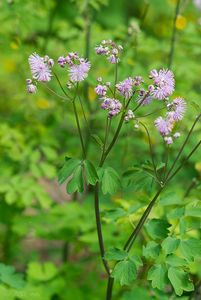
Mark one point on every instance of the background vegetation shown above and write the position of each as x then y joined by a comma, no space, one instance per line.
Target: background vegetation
49,246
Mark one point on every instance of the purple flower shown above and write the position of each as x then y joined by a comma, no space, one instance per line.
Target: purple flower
125,87
138,80
31,88
61,61
101,90
110,49
168,140
40,68
146,99
164,126
112,105
79,72
164,83
178,108
197,4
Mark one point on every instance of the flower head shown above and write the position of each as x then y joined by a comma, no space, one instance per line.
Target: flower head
129,115
40,67
177,109
112,105
164,126
101,90
164,83
109,49
125,87
79,72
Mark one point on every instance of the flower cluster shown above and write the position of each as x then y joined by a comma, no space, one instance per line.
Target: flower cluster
175,113
129,116
78,66
41,67
31,88
125,88
109,49
112,105
163,83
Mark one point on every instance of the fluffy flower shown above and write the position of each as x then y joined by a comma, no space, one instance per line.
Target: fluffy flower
178,108
112,105
40,67
79,72
168,140
109,49
164,126
164,83
101,90
125,87
31,88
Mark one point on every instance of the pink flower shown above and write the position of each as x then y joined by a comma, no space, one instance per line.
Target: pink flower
178,108
78,72
164,83
125,87
40,67
164,126
101,90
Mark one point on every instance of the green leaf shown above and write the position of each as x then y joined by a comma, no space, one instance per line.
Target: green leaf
9,277
91,174
158,275
179,280
115,254
110,181
67,169
41,272
175,261
190,248
176,213
157,228
137,260
125,272
193,212
170,244
152,250
76,183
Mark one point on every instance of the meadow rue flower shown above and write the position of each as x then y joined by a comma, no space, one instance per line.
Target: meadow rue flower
101,90
129,115
61,61
109,49
176,135
79,72
164,83
164,126
125,88
138,80
31,88
177,109
112,105
40,67
168,140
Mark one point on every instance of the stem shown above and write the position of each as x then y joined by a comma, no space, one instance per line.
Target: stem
173,39
104,156
115,78
59,82
184,162
151,150
145,215
79,130
109,288
99,229
182,147
54,93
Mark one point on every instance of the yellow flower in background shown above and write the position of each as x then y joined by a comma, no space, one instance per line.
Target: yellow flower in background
9,65
198,167
92,94
181,22
42,103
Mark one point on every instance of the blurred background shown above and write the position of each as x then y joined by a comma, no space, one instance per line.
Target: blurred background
47,238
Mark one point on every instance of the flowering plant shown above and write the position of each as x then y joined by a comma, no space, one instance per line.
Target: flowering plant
123,101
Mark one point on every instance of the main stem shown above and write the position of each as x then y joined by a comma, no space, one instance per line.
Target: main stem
173,39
